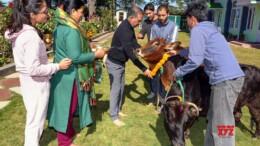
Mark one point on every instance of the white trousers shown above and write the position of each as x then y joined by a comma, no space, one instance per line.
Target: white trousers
35,92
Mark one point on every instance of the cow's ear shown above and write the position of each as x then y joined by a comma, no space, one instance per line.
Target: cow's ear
155,43
173,46
164,39
177,44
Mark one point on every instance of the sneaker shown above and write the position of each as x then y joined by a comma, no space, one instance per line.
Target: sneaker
151,95
119,123
122,114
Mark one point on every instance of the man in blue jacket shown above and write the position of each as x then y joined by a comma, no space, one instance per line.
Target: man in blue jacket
208,46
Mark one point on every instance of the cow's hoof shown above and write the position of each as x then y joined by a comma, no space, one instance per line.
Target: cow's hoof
256,136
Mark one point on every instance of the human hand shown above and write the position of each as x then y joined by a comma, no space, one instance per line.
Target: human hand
174,78
100,53
65,63
148,73
139,36
173,52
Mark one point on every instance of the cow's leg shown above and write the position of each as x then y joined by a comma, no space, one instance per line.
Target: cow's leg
237,111
255,113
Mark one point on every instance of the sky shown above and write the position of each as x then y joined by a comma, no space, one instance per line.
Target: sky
6,1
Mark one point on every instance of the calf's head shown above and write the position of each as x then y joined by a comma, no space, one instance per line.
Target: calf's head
154,50
179,117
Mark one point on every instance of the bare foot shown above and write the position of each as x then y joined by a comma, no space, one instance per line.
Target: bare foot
122,114
119,123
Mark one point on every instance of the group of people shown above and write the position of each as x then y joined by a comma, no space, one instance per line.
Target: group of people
207,46
61,89
71,73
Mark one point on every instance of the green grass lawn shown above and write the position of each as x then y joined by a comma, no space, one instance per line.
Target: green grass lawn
143,126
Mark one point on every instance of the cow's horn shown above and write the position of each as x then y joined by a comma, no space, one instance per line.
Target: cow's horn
195,106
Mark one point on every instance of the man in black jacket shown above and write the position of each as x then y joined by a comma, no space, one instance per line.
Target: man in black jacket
123,44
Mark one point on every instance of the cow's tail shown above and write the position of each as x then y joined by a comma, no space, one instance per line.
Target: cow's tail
252,123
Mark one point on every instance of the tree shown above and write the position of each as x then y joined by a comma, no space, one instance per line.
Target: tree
126,4
159,2
2,4
91,7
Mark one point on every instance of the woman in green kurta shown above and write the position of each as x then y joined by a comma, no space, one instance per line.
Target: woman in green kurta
70,42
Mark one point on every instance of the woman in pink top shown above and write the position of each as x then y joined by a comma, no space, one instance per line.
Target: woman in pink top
32,63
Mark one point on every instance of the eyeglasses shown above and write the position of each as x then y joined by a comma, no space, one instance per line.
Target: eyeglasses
46,12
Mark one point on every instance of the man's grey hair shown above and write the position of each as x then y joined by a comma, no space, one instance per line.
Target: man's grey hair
134,11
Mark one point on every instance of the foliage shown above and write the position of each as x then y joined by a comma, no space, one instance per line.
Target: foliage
126,4
2,4
92,25
160,2
106,15
103,3
50,25
5,51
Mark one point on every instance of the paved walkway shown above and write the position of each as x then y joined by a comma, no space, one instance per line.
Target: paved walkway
10,83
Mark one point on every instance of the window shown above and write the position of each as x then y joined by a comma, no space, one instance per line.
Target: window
235,15
250,18
219,18
237,18
121,16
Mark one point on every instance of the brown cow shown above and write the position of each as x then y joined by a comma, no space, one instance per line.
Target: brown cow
180,115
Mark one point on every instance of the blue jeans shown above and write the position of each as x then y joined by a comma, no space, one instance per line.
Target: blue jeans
154,87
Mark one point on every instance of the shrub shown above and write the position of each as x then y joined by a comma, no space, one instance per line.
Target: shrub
92,26
5,51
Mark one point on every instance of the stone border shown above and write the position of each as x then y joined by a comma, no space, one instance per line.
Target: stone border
100,34
10,68
7,69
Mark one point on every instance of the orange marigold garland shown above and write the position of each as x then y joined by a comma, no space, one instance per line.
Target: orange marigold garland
159,64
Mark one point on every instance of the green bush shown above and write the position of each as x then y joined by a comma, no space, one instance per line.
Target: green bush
5,51
92,26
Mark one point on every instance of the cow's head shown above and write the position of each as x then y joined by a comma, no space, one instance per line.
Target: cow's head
153,51
179,117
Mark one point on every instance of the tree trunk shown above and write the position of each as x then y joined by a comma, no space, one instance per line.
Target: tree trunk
133,2
91,7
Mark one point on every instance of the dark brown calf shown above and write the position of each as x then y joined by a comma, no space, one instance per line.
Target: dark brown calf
197,90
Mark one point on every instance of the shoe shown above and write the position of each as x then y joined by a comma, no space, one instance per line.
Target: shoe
151,95
119,123
122,114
